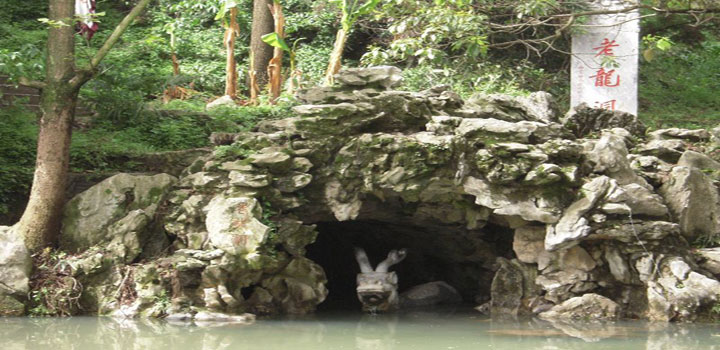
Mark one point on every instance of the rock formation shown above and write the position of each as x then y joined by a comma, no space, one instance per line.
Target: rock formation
604,219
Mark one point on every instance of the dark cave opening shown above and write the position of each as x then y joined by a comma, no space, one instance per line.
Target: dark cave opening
463,258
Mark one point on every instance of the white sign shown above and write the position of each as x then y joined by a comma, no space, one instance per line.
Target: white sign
605,58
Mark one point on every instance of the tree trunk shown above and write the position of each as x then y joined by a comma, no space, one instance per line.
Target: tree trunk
275,66
336,57
262,23
40,223
231,66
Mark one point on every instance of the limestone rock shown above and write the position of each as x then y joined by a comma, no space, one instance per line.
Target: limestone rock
698,135
276,161
232,224
709,259
678,292
538,106
429,294
625,231
385,77
493,129
506,297
15,265
609,156
572,226
298,288
10,306
529,243
511,201
589,307
584,120
222,101
693,201
88,216
619,267
249,179
577,258
667,150
699,161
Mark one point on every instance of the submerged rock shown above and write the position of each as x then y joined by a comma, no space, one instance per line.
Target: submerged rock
589,307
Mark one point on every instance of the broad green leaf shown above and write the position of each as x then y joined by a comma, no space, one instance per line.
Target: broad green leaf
274,40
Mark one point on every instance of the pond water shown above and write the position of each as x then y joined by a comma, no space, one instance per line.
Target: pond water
416,330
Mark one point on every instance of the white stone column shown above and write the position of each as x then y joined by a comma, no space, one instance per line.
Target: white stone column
605,58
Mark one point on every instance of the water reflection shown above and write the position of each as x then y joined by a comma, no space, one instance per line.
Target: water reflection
354,331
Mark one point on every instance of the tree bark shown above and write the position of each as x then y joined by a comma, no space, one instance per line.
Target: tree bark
336,57
231,65
40,223
262,23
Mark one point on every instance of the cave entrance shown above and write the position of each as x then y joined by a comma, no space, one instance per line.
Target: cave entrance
463,258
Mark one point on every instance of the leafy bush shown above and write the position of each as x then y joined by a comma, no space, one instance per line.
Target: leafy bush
18,140
679,88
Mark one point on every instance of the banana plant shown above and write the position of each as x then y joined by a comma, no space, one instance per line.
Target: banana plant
277,41
228,14
274,40
351,11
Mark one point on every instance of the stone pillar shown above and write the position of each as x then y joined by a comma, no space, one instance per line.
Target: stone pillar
605,58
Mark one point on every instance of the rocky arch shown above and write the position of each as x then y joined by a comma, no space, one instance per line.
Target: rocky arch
585,217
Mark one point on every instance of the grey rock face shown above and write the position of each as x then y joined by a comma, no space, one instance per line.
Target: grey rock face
90,216
693,201
15,263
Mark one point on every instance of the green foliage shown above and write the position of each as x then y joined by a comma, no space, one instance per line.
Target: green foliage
18,139
274,40
353,9
679,87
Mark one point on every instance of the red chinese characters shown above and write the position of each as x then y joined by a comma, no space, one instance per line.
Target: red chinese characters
606,48
605,78
606,105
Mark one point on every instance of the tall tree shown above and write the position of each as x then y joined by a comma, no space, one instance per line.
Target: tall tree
40,223
262,24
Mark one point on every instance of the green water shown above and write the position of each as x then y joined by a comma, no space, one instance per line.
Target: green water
352,331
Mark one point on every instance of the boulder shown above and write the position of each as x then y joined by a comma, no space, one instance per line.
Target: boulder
609,156
15,268
573,226
697,135
678,292
538,106
667,150
583,120
693,201
699,161
90,217
430,294
589,307
709,259
226,101
529,243
232,224
299,287
384,77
